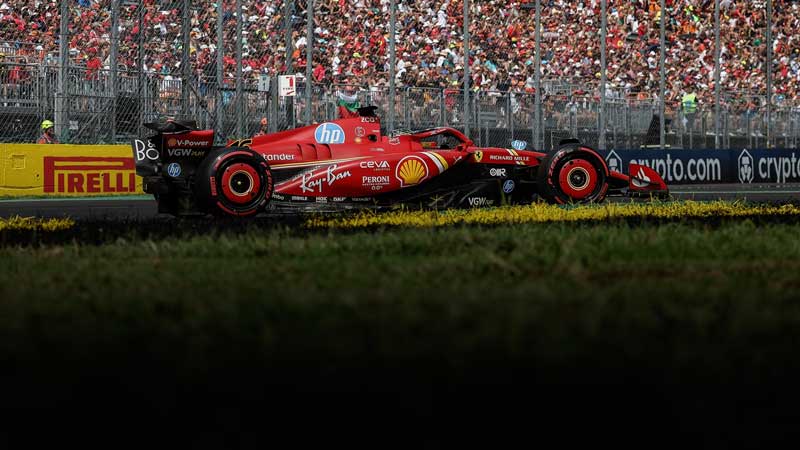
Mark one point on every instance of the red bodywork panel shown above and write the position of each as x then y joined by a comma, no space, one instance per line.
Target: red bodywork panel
351,158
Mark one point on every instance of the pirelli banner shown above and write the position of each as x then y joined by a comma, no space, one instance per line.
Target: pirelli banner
678,166
67,170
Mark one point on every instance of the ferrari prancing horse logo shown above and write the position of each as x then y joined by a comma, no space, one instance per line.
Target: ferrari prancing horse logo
478,156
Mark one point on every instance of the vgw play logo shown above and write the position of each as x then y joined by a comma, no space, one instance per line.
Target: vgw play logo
329,133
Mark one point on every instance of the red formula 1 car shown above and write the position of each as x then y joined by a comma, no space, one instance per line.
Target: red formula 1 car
350,163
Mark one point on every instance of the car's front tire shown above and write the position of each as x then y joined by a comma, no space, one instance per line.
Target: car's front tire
573,174
234,182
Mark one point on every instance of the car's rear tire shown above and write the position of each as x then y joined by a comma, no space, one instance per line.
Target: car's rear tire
573,174
233,182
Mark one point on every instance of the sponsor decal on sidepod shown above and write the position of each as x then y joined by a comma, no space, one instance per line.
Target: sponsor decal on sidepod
278,157
326,178
411,171
329,133
376,165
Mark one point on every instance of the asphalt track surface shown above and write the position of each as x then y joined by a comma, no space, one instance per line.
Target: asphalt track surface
144,207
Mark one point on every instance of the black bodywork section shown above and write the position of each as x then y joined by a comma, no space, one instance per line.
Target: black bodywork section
462,186
174,194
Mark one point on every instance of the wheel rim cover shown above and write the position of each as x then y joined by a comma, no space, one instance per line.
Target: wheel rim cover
577,178
240,183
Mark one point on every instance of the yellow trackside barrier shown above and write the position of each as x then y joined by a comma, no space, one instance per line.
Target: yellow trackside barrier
67,170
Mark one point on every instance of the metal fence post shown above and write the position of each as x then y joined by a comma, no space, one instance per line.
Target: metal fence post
309,56
726,139
239,91
392,64
477,105
141,76
769,73
61,115
509,118
287,23
114,68
662,83
538,144
717,66
185,69
602,115
466,67
406,114
219,120
441,108
628,138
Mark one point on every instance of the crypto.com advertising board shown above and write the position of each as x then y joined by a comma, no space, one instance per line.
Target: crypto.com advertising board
678,166
67,170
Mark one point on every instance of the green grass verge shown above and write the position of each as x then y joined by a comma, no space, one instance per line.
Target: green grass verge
553,291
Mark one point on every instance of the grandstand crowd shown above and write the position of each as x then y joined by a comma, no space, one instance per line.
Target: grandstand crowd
351,42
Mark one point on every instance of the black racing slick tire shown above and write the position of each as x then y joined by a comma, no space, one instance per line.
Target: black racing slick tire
233,182
573,174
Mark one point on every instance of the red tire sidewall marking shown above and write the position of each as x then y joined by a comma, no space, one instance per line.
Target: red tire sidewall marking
227,156
582,166
268,179
230,194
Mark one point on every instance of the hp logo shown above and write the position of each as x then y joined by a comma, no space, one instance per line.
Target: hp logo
519,145
508,186
174,170
329,133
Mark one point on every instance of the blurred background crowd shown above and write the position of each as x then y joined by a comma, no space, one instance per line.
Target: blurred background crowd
351,42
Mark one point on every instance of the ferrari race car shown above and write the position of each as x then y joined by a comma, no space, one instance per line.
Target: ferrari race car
349,163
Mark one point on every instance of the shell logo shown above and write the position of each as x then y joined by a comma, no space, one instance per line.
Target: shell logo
172,142
411,170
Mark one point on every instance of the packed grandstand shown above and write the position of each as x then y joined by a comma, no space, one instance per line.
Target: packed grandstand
351,42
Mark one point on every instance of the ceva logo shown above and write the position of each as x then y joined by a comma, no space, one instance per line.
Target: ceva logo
613,161
329,133
746,167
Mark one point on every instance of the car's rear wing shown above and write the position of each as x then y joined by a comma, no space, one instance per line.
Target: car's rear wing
174,141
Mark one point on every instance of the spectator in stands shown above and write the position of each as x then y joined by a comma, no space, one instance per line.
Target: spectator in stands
689,107
263,127
93,64
351,39
48,133
347,105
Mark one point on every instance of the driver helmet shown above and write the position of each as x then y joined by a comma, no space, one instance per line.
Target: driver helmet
47,124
